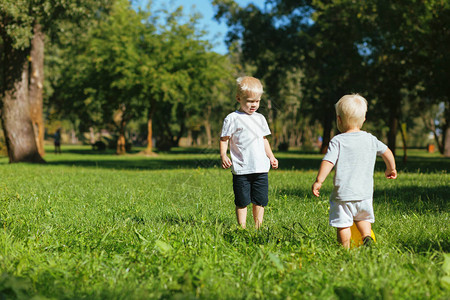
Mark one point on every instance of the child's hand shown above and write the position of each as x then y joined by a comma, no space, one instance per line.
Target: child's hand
315,188
226,162
390,174
274,163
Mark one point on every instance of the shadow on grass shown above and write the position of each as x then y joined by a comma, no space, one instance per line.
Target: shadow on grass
165,163
142,163
303,162
414,199
90,151
410,200
415,163
243,237
170,219
423,164
182,158
418,201
425,244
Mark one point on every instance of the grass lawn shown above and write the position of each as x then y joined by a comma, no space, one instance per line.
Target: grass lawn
92,225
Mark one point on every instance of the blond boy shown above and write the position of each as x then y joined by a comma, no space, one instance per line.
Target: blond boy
251,155
353,154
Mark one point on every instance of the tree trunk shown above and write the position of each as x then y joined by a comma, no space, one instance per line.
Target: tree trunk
180,134
121,142
446,142
73,136
207,125
405,148
120,119
393,127
429,124
439,143
149,149
327,126
149,135
189,138
446,131
92,139
36,86
16,121
271,123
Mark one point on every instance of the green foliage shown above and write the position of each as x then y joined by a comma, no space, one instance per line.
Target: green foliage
102,226
341,47
117,61
16,23
18,17
145,63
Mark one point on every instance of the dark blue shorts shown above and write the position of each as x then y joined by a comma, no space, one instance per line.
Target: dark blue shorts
251,188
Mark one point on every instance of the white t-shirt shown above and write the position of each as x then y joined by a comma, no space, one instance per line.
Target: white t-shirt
353,155
247,134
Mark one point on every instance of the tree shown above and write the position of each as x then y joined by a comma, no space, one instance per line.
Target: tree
115,47
391,49
433,65
262,44
70,89
379,48
104,71
133,63
15,32
304,36
188,76
22,27
332,64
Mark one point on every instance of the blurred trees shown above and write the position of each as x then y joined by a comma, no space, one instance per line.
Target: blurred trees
388,51
102,71
109,65
433,67
135,64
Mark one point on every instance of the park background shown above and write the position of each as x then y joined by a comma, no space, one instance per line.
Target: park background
147,74
136,205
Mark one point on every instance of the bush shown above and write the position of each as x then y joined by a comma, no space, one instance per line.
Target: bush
283,147
99,146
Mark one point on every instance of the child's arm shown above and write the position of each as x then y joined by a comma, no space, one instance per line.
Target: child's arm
324,170
389,160
226,161
269,153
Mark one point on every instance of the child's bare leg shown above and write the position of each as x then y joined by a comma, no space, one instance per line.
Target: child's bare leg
364,227
241,215
258,215
343,236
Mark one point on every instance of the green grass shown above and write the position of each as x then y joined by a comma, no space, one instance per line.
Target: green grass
100,226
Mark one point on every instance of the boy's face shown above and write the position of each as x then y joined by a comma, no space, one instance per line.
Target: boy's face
249,104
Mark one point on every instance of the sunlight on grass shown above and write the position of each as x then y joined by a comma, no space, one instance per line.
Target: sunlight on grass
101,226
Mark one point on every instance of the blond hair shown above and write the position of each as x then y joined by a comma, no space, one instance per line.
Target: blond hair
249,87
352,110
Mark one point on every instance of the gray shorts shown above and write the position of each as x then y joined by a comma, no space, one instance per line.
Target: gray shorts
343,213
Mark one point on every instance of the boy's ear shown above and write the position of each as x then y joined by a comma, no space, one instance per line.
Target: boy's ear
238,99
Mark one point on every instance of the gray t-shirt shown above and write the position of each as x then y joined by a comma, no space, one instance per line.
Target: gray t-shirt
353,155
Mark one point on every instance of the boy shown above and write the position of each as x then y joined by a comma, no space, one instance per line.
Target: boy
353,152
251,155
